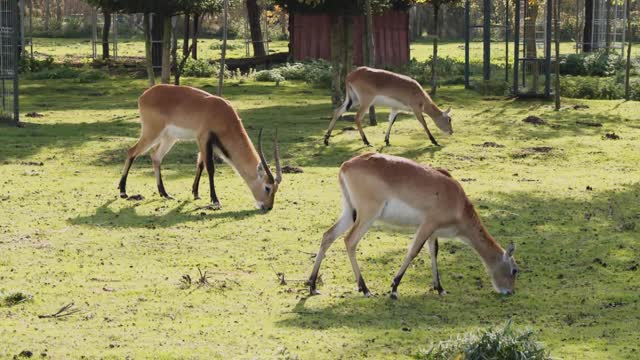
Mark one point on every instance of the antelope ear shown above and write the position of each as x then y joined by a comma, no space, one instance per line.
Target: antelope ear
448,112
510,250
260,171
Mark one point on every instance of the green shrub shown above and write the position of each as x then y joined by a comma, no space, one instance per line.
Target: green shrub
60,72
198,68
269,75
29,64
14,298
584,87
597,63
494,343
492,87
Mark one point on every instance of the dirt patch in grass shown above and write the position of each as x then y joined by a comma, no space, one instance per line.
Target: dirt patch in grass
589,123
534,120
611,136
288,169
532,151
491,144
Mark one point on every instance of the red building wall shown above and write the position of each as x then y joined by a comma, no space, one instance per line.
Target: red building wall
312,38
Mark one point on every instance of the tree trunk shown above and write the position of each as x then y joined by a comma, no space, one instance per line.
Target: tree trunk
434,62
47,14
291,37
627,91
225,25
336,63
369,50
147,49
165,74
187,34
530,42
59,13
253,13
105,33
174,50
196,27
588,24
556,30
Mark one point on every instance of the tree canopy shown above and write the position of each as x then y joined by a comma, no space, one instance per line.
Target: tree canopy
343,7
165,7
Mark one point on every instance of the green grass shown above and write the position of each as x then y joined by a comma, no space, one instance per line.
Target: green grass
65,236
63,48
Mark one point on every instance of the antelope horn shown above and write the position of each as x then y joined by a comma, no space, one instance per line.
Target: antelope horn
276,156
263,161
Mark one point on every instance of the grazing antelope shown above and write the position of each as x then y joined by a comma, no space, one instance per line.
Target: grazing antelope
367,86
402,192
169,113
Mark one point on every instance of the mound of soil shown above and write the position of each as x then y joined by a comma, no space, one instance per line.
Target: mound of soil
580,106
288,169
534,120
612,136
33,114
490,144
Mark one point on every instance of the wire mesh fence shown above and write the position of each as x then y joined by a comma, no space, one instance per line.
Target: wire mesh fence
9,28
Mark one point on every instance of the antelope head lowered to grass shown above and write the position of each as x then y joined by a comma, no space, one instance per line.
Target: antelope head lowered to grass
170,113
402,192
367,86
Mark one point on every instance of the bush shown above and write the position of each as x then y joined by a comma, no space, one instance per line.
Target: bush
60,72
269,75
494,343
198,68
593,64
492,87
584,87
29,64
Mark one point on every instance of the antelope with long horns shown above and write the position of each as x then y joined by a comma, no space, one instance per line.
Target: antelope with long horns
402,192
367,86
170,113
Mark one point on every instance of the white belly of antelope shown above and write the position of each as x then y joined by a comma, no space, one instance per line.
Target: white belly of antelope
399,213
179,133
385,101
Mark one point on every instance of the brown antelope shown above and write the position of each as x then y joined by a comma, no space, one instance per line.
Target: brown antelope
170,113
367,86
402,192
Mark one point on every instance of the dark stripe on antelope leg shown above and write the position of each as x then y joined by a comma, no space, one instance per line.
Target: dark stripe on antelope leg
362,287
123,180
354,215
196,181
215,141
398,278
436,281
208,160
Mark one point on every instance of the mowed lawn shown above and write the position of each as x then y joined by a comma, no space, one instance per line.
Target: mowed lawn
564,193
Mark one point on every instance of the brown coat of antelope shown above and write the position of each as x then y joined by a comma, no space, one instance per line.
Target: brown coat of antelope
402,192
368,86
170,113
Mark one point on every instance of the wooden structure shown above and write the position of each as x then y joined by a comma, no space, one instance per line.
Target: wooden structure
311,38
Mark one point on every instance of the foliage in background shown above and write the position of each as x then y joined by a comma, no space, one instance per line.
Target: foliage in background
317,73
597,63
502,342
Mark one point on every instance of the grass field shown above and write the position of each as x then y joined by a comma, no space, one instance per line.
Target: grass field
61,48
65,236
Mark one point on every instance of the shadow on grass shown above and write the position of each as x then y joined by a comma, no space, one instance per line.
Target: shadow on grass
128,217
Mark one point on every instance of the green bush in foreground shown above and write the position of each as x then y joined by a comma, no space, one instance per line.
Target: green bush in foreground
501,342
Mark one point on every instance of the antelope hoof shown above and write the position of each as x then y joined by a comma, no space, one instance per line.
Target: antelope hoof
123,195
368,294
394,295
326,140
196,197
167,196
216,206
386,141
313,292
